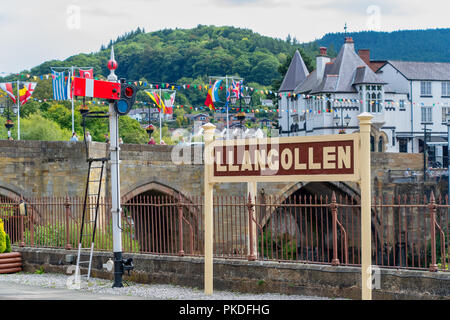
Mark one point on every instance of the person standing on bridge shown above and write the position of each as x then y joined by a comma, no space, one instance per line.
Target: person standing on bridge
88,137
74,137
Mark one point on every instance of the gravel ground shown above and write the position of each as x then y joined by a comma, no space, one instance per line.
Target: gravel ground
153,292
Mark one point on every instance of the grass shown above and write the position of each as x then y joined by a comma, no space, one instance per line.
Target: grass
40,270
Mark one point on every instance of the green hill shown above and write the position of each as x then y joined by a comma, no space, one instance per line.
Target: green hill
410,45
169,55
189,55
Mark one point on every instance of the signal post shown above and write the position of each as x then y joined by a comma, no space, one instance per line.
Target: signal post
121,97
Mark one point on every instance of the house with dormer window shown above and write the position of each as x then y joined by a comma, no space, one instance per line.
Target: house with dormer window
402,96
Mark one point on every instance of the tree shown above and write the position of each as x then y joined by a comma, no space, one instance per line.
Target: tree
131,132
36,127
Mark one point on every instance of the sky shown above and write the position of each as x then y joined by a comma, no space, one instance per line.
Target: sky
35,31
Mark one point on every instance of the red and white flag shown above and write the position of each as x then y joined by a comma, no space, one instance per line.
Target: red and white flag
25,91
88,74
91,88
7,87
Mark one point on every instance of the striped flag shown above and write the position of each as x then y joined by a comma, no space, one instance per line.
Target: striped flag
60,91
7,87
157,100
209,100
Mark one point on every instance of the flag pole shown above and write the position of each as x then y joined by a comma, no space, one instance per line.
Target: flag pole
73,120
18,111
160,117
226,90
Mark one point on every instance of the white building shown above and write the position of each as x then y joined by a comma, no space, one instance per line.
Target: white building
401,96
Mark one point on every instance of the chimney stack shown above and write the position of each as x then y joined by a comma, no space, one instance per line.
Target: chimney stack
321,60
364,54
348,40
323,51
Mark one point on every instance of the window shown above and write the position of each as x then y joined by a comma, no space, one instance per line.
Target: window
425,88
372,144
445,89
401,105
380,144
373,99
426,114
445,110
403,145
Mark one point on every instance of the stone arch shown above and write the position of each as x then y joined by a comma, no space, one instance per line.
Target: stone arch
161,223
288,219
153,186
382,136
9,191
348,188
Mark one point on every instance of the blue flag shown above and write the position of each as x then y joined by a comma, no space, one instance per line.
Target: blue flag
59,86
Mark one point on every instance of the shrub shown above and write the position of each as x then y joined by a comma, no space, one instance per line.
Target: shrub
8,244
282,244
2,237
55,236
47,235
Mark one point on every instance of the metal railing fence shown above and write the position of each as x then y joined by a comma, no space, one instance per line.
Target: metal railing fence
407,232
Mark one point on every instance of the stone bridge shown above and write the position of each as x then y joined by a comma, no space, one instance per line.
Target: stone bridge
46,169
36,169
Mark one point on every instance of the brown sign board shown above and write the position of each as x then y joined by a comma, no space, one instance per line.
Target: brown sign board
316,158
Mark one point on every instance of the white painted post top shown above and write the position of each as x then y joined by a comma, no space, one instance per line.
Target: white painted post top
208,131
365,116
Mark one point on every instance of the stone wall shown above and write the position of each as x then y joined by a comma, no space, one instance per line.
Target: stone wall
253,276
42,168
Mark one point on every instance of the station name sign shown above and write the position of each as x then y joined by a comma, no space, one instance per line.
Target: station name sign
334,158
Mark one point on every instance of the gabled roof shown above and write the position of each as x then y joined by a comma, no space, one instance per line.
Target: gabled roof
365,74
411,70
341,74
295,75
346,66
307,85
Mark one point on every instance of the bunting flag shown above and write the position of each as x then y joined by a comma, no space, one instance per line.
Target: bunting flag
156,98
7,87
59,86
25,91
88,74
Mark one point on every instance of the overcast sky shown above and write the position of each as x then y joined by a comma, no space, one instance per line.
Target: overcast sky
34,31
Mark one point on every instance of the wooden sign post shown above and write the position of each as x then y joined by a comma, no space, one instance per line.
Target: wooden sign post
344,157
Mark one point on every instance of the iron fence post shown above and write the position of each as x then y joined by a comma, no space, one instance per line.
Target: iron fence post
432,206
31,221
251,256
22,243
180,225
335,261
67,205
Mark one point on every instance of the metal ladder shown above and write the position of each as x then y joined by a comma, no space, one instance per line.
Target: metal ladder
89,208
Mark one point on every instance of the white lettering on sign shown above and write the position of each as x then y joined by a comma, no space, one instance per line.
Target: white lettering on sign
335,157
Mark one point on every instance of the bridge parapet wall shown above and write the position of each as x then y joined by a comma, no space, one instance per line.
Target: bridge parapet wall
59,168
